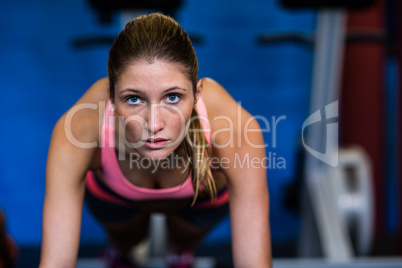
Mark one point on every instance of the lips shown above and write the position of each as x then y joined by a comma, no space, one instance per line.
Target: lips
155,140
156,143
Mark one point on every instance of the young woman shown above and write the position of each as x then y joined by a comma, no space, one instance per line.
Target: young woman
151,137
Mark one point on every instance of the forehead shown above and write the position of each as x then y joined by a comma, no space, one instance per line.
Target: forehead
156,75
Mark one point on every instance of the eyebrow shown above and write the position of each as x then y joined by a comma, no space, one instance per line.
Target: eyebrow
133,90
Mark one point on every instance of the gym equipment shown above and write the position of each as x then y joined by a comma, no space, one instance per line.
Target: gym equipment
127,10
337,220
327,3
337,194
105,8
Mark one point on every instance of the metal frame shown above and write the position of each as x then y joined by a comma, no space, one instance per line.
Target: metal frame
330,230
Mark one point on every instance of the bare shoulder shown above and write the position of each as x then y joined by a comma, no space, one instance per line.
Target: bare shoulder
224,113
237,138
76,133
82,120
98,92
216,98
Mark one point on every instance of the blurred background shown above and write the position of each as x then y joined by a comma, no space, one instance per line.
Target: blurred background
266,54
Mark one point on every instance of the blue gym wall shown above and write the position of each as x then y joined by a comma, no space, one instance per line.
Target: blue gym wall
42,75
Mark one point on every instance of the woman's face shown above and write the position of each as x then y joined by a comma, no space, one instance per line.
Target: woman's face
154,102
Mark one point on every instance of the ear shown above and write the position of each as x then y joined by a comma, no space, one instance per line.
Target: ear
198,90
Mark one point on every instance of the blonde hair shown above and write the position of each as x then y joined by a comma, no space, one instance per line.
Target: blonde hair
196,145
157,36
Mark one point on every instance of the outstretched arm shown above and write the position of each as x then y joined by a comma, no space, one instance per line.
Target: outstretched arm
66,168
242,147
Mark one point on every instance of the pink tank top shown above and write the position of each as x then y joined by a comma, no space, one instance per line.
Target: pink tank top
114,177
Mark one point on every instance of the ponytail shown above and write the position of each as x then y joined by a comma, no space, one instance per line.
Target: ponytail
199,155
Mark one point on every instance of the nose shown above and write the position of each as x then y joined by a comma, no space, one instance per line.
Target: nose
154,122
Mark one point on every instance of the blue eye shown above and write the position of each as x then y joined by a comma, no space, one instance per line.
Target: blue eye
133,100
173,98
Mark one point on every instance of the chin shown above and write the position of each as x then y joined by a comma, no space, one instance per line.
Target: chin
156,154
